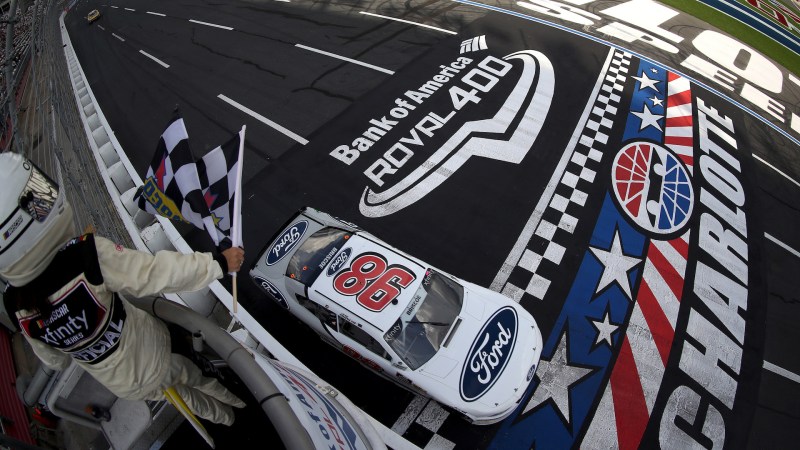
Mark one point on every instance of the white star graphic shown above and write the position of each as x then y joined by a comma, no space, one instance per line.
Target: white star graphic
648,118
617,266
647,82
556,377
604,330
657,101
654,70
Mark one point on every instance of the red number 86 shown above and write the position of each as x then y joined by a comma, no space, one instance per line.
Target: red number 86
374,283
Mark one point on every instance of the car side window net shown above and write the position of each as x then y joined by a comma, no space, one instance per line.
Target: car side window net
315,253
325,316
355,333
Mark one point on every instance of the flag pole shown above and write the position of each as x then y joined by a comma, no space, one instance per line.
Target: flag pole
236,222
177,401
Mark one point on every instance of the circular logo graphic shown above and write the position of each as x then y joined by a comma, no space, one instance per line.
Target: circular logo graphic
653,187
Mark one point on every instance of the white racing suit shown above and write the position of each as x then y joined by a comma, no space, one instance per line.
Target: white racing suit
123,347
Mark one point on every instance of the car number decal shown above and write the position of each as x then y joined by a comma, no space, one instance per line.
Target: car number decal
373,281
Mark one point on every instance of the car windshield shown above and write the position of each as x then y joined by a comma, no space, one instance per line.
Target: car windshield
315,253
418,333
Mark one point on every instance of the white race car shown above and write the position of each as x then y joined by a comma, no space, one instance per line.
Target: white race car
465,346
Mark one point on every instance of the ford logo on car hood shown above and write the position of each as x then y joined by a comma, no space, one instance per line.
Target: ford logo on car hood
286,242
272,291
339,261
489,354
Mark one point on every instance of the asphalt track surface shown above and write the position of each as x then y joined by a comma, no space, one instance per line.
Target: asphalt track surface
673,332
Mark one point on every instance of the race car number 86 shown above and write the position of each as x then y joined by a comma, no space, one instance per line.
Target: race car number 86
373,281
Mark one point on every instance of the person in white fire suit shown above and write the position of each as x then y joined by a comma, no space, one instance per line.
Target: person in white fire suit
67,293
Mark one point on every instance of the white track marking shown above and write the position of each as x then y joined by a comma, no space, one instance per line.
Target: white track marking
776,170
782,245
118,37
130,9
409,22
343,58
263,119
782,372
166,66
101,27
156,14
210,24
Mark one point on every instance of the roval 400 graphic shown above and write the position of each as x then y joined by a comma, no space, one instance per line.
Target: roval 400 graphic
507,136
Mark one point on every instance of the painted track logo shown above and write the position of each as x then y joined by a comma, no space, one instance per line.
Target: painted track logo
660,298
481,137
653,187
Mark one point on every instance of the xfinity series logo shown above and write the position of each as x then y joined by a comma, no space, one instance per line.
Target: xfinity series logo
286,242
272,291
507,136
489,354
339,261
79,325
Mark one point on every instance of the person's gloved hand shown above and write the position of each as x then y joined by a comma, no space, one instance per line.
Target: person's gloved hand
234,256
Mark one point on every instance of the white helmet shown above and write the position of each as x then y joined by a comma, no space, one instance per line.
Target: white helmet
35,219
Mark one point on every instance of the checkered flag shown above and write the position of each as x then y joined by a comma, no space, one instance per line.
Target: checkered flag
172,186
218,178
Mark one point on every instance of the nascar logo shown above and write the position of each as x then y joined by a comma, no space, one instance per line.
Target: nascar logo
286,242
489,354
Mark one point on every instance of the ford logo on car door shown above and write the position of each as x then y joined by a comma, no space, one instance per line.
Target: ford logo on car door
489,354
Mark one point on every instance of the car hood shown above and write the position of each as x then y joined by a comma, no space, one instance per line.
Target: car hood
381,314
490,356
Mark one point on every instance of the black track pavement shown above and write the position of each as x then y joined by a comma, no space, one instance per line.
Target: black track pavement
658,322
